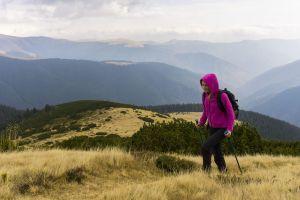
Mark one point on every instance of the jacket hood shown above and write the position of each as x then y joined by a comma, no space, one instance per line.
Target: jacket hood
211,81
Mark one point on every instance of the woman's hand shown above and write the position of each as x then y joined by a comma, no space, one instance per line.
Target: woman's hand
197,124
227,133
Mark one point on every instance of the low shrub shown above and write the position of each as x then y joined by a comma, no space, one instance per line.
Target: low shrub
75,175
146,119
172,164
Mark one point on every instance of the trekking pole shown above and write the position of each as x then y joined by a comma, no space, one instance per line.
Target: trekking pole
234,151
200,134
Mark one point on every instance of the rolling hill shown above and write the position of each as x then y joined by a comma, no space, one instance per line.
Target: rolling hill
284,106
253,56
58,123
270,83
245,58
85,118
34,83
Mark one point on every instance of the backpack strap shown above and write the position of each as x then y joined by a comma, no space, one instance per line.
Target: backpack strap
219,100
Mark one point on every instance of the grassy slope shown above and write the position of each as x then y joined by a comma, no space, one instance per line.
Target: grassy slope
124,121
115,174
108,117
68,110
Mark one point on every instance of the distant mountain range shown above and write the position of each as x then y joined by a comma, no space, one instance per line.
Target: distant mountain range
284,105
270,83
122,70
253,56
237,61
275,93
34,83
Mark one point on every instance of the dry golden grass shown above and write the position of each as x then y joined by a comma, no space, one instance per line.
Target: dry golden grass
45,172
188,116
124,122
115,174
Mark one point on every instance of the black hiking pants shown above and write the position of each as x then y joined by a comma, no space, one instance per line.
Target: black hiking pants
213,146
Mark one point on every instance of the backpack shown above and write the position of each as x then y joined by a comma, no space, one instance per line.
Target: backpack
233,101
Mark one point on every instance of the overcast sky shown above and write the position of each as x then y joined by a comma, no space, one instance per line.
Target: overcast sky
158,20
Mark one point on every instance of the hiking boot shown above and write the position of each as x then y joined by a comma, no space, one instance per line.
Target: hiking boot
224,171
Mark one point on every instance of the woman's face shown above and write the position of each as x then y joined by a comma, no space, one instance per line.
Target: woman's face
204,87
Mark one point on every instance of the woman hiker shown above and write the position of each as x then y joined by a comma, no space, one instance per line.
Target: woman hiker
220,123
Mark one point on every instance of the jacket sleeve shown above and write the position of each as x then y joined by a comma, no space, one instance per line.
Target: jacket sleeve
203,118
229,111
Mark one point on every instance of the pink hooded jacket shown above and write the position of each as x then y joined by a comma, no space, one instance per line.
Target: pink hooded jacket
211,111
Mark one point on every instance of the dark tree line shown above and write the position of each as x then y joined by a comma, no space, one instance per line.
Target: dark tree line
190,107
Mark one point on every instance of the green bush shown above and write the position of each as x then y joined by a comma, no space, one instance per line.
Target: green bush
101,133
86,143
43,136
245,139
281,148
7,145
40,180
24,142
75,127
75,175
4,177
85,129
49,143
32,131
108,118
8,138
74,116
160,115
88,127
178,136
146,119
60,128
92,125
174,165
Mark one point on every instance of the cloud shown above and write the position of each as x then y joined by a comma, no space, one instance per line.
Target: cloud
70,9
213,20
